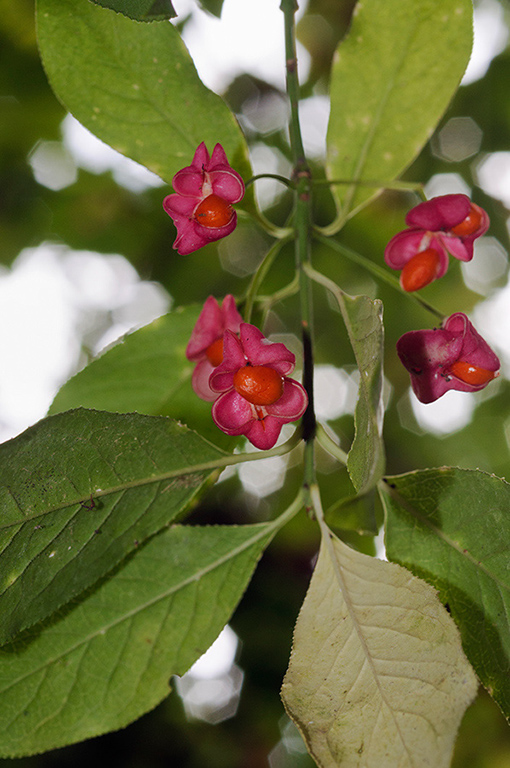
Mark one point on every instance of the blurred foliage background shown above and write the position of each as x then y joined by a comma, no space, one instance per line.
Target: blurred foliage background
93,212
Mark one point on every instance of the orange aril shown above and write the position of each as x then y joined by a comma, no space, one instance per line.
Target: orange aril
419,271
214,352
259,384
471,374
470,224
213,212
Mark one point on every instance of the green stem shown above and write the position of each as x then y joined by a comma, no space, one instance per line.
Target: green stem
329,445
291,511
283,179
378,272
266,302
316,504
302,227
280,233
283,293
260,274
228,460
289,8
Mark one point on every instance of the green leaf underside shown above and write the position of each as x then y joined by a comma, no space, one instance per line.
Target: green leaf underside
392,79
78,492
134,85
141,10
452,527
377,676
363,319
106,660
143,372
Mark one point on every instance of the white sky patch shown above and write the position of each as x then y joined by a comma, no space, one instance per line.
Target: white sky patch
493,175
314,117
266,159
446,184
335,392
453,411
490,265
266,112
211,689
219,657
52,165
249,37
491,37
52,300
38,342
459,139
491,319
263,477
289,749
93,155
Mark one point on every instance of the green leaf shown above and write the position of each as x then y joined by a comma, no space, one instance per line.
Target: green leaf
377,677
354,513
363,319
452,527
392,79
107,659
146,371
78,492
134,86
213,7
141,10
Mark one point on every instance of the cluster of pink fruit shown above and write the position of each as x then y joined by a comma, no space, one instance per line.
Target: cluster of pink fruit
454,356
245,376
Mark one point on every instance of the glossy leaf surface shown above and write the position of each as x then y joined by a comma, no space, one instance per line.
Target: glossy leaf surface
452,527
80,491
134,86
106,660
392,79
141,10
145,371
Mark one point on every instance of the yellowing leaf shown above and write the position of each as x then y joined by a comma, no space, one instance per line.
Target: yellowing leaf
377,676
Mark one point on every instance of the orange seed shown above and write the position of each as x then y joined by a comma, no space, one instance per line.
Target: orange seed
470,224
471,374
213,212
214,352
419,271
259,384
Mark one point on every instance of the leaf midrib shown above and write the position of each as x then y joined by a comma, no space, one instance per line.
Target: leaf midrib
218,463
264,529
338,571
